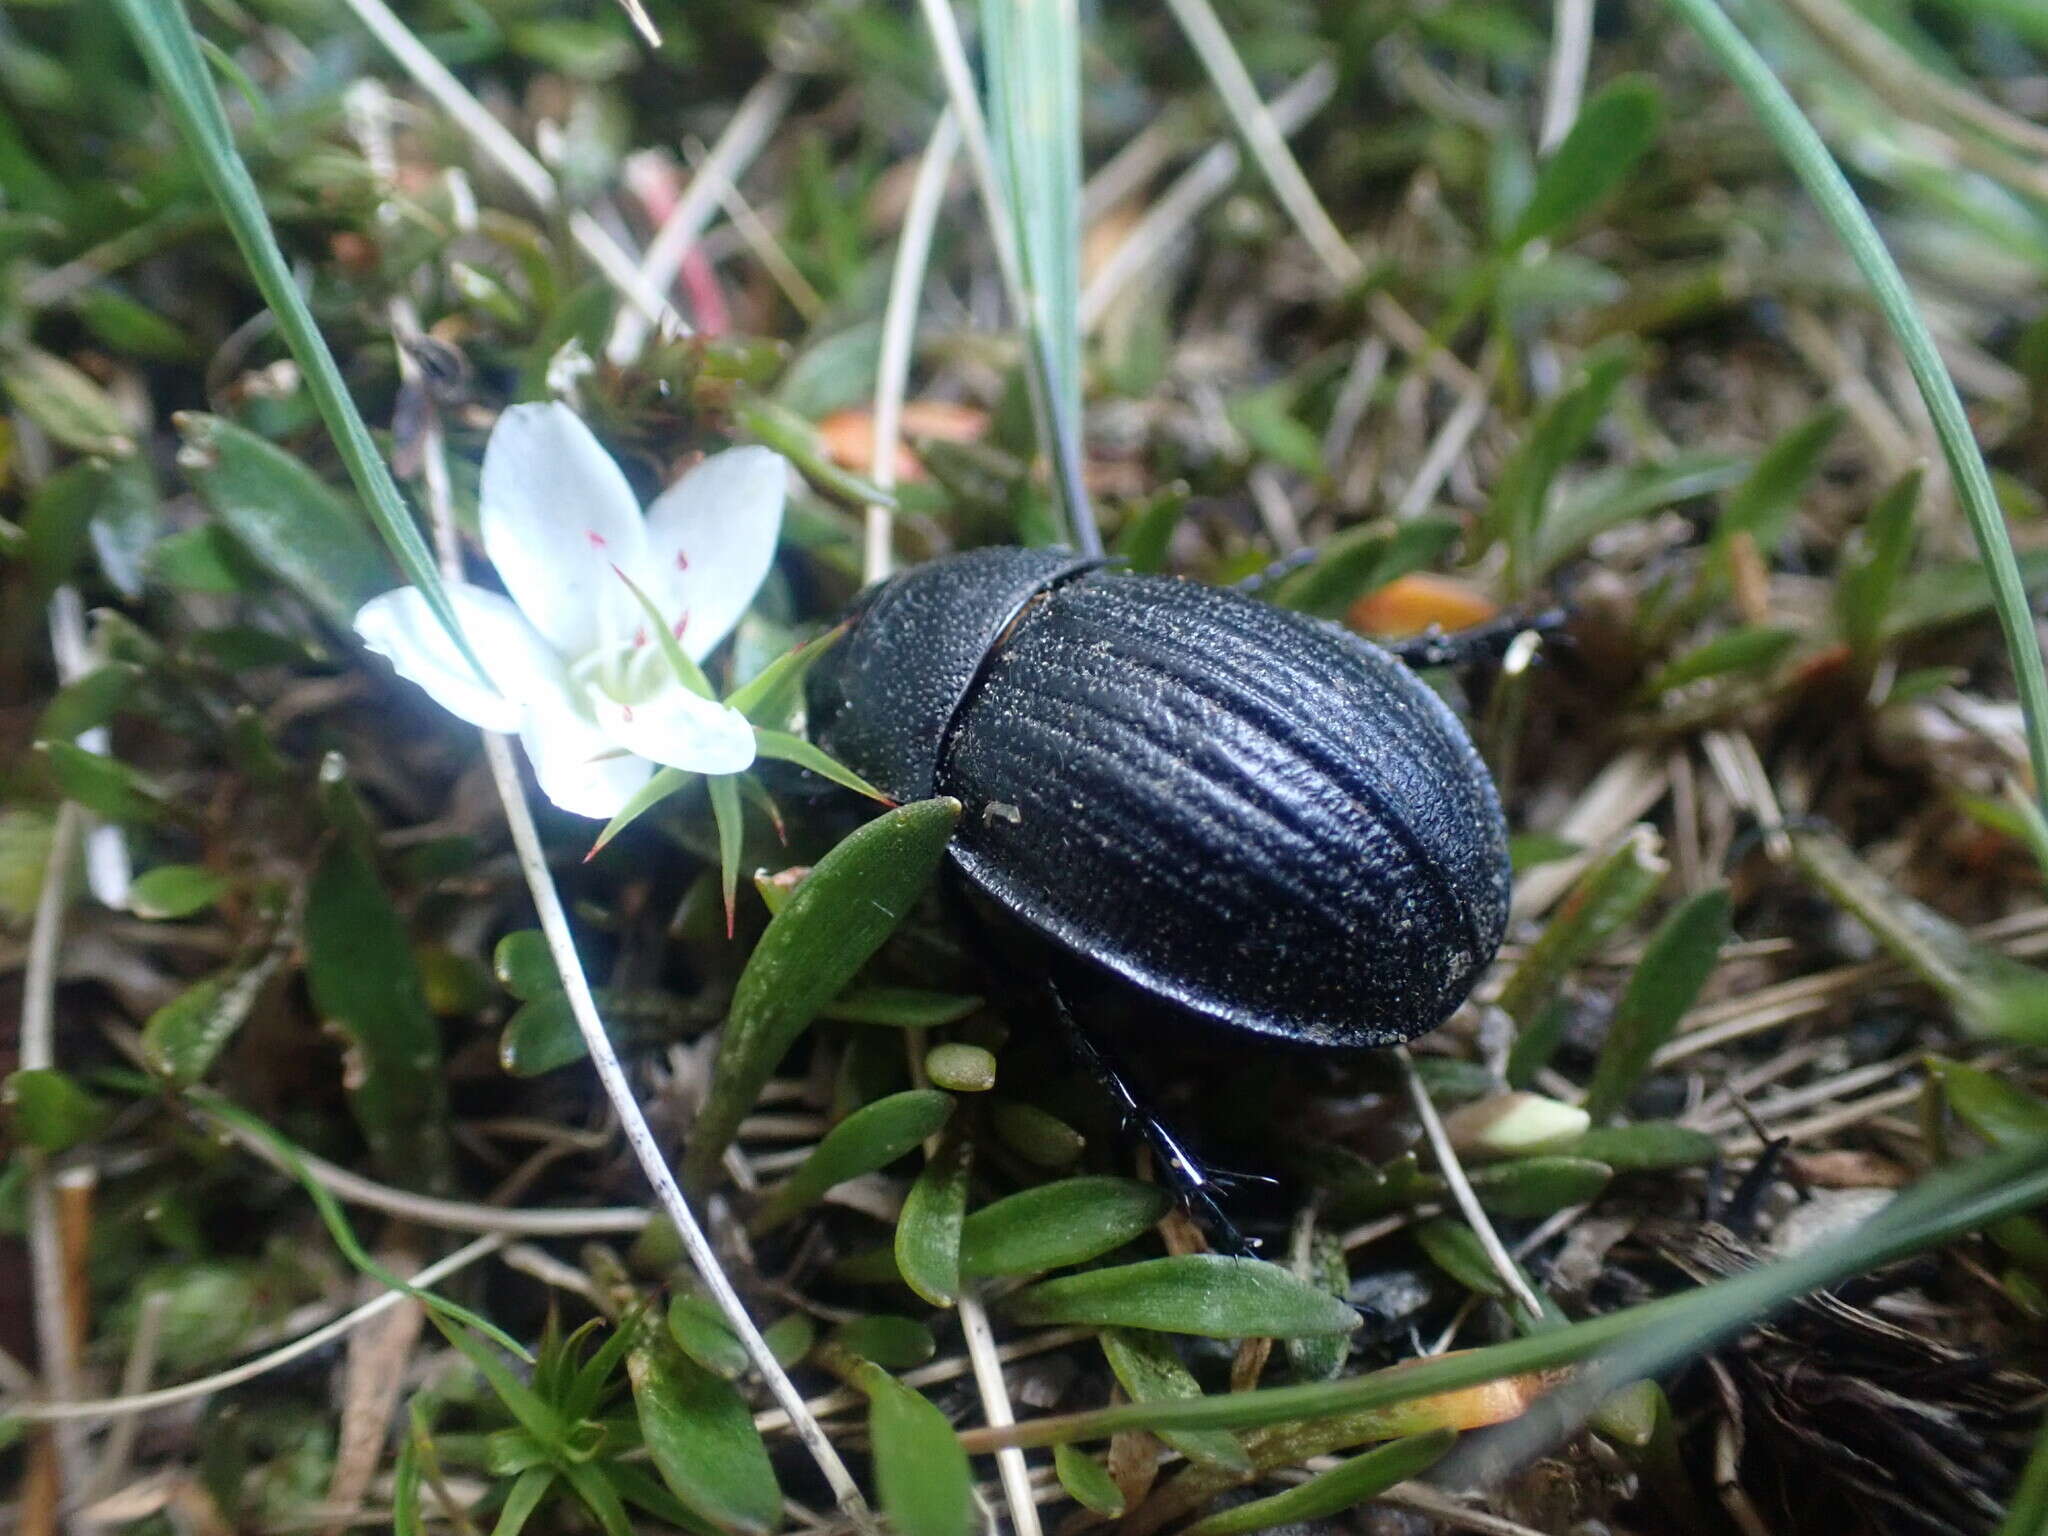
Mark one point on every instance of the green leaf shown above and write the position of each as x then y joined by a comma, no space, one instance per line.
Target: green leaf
960,1067
1037,1135
2003,1113
1196,1293
525,966
1763,503
87,701
1648,1146
203,559
701,1436
365,982
701,1332
294,524
667,782
65,403
1363,559
724,795
783,747
1752,648
1615,128
870,1138
1564,426
1147,531
130,326
1991,993
527,1491
1149,1371
105,786
1617,496
181,1039
1869,576
50,1110
1676,963
834,921
894,1343
1611,891
768,697
1539,1186
541,1036
175,890
1453,1248
1053,1226
164,36
900,1007
926,1485
1320,1262
1332,1492
928,1230
1088,1482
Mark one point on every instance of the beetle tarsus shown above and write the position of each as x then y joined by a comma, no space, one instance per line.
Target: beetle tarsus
1194,1186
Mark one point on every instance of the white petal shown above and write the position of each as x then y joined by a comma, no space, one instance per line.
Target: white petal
576,766
679,729
558,518
519,664
711,536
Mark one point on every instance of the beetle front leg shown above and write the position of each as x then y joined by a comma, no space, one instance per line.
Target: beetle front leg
1487,642
1196,1188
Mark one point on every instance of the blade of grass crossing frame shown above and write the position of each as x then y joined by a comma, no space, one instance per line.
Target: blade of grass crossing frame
164,36
1810,160
1034,109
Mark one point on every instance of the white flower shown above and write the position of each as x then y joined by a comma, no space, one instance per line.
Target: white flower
570,664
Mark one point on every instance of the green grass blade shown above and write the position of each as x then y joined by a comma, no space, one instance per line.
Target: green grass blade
1803,150
164,36
1034,111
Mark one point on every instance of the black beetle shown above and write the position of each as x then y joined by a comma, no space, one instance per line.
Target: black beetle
1248,813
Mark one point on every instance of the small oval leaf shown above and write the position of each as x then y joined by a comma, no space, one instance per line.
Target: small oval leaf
928,1231
870,1138
926,1485
1052,1226
701,1436
1198,1293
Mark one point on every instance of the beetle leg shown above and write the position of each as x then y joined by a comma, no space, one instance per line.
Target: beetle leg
1482,642
1195,1187
1275,571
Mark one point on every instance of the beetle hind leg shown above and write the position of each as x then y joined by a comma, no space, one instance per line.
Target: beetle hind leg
1198,1188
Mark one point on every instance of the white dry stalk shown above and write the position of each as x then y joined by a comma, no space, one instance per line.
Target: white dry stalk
445,1215
1564,82
167,1397
959,77
759,239
899,332
513,158
1263,136
53,1327
760,111
1461,1188
1193,190
554,922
